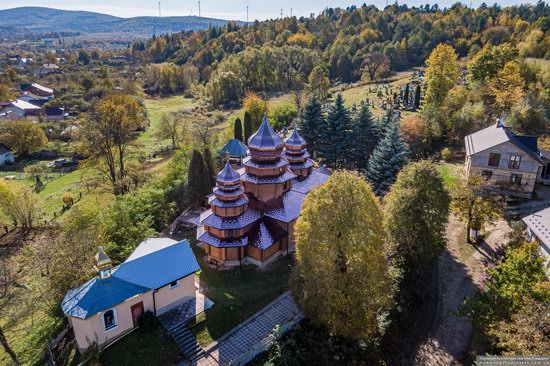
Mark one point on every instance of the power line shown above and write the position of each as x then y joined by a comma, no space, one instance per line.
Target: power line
159,10
199,9
281,13
247,13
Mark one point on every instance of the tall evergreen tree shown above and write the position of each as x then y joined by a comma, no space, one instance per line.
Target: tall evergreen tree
210,166
335,137
238,130
417,97
391,154
385,121
311,123
247,127
365,137
198,185
406,95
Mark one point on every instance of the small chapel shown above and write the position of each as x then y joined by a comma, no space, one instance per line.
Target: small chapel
253,209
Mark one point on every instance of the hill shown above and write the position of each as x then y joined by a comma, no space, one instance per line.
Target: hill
35,20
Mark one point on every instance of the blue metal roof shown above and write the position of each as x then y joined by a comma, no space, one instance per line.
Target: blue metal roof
228,174
160,267
234,147
295,139
98,295
155,263
265,138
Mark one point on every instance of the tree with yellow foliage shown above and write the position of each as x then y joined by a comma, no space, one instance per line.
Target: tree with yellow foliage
507,87
256,107
341,276
442,74
301,39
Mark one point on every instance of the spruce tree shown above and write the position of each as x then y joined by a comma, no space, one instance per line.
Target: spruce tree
210,166
335,137
238,130
391,154
311,123
385,121
247,127
198,186
365,137
417,97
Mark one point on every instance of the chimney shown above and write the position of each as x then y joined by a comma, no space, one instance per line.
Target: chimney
103,264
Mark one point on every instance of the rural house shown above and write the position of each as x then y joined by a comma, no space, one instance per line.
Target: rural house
36,93
252,212
6,155
512,163
18,109
538,229
157,277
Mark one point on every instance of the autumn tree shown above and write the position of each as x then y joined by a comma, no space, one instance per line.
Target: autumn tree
340,258
23,136
442,74
105,136
476,203
376,65
37,171
198,186
173,127
507,86
318,83
490,60
19,203
257,108
6,93
416,213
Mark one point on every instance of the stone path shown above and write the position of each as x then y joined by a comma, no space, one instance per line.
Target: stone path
238,343
185,311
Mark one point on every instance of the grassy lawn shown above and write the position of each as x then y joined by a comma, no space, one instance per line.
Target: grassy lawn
237,294
156,108
148,345
451,172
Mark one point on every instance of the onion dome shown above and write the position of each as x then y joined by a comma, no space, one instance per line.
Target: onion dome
265,139
296,154
228,175
295,140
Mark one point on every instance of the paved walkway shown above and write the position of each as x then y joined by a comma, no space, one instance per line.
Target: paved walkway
185,311
239,342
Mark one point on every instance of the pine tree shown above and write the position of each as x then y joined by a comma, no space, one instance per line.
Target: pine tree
417,97
335,135
365,136
406,95
247,127
311,124
210,166
198,185
238,130
391,154
385,121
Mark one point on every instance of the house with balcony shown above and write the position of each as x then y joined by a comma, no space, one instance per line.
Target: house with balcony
512,163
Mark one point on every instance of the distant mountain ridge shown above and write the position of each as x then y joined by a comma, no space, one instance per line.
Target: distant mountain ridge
47,20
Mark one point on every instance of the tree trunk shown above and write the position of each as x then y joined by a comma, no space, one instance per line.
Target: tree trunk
7,348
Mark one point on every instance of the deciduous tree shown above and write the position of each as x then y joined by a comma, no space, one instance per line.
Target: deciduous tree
19,203
376,65
318,83
507,87
257,108
23,136
340,259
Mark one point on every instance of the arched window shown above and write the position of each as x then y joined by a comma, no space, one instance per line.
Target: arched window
109,319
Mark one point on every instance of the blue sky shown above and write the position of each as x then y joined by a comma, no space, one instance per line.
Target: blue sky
226,9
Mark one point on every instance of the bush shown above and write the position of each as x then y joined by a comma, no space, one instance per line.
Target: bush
447,154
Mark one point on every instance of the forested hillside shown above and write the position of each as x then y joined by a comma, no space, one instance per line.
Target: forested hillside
280,54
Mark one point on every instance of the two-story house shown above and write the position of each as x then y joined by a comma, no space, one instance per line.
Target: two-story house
512,163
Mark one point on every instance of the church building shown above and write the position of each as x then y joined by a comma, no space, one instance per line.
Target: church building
253,210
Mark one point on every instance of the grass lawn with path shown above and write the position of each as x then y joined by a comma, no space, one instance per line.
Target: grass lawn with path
237,294
147,345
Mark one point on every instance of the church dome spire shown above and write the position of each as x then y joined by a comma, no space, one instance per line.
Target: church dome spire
265,139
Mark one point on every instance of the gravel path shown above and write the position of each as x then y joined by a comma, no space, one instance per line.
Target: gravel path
460,272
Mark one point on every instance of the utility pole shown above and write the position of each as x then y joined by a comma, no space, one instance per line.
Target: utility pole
159,10
199,9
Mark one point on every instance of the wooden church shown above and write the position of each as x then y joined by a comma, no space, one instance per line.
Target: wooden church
253,209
